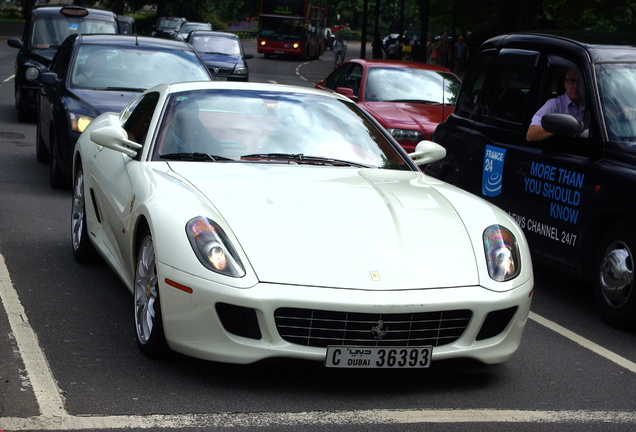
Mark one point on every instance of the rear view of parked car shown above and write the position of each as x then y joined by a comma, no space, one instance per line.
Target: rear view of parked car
45,30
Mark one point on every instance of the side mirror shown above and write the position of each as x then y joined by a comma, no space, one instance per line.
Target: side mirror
346,91
427,152
115,138
15,43
562,124
49,78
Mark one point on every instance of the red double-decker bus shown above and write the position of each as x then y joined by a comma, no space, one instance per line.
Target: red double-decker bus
292,27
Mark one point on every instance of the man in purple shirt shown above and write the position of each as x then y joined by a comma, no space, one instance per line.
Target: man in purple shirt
571,102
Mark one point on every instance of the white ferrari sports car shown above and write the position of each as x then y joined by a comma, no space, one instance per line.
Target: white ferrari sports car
253,221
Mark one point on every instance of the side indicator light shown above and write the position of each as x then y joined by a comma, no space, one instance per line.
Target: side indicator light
178,286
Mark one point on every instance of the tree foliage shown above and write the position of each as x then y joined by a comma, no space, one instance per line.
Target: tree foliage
484,18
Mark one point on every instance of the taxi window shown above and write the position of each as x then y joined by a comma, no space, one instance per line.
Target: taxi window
553,84
470,99
513,76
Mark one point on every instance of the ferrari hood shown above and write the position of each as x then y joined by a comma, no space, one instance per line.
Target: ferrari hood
339,227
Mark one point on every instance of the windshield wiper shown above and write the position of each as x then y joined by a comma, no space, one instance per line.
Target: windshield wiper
218,53
195,157
131,89
301,158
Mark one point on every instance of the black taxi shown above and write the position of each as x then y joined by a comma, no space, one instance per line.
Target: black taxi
44,31
573,193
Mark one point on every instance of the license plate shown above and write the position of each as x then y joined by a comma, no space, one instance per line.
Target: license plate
378,357
279,52
219,78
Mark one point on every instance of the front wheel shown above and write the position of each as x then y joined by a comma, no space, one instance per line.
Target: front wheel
148,322
83,250
614,277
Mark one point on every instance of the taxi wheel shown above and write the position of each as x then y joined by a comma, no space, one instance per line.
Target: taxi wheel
615,279
151,339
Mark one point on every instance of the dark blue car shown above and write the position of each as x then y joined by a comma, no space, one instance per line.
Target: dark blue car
222,53
93,74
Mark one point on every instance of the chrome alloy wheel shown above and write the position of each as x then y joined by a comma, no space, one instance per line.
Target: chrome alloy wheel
616,274
146,293
77,211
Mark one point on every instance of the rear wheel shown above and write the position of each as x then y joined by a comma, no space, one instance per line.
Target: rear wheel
615,279
148,322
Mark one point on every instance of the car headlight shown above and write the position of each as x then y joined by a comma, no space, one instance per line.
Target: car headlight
502,253
79,122
406,135
213,248
240,70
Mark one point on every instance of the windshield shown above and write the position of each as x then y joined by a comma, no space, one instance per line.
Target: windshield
135,68
269,127
281,28
50,32
216,45
617,88
411,85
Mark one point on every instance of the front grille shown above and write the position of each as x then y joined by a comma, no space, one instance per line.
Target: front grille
318,328
220,71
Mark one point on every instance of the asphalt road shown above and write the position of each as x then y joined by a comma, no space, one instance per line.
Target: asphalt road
68,359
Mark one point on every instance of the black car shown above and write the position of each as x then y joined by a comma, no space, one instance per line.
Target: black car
168,27
571,193
222,53
93,74
45,30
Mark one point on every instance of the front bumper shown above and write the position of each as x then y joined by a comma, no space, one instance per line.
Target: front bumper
246,329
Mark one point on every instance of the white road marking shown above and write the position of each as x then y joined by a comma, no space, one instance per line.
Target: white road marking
585,343
53,415
36,365
6,80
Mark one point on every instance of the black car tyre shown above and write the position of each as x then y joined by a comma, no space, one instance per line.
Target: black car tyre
148,322
83,249
41,153
614,277
57,178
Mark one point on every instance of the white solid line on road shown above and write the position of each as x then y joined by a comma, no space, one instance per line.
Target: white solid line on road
316,418
585,343
53,415
36,365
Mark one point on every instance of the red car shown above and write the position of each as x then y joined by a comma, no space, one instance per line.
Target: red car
409,99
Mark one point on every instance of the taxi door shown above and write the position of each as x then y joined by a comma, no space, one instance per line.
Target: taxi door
551,188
